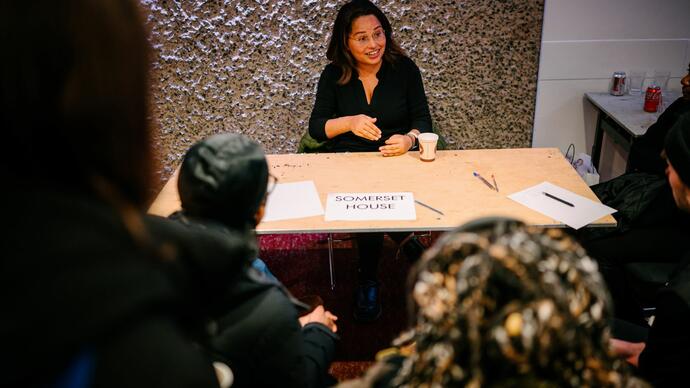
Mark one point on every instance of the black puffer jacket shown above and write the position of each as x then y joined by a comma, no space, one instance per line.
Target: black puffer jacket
631,194
255,329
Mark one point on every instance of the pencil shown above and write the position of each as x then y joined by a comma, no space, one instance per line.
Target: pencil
558,199
484,180
495,184
429,207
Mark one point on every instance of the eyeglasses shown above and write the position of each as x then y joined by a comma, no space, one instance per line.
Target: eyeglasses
363,39
272,182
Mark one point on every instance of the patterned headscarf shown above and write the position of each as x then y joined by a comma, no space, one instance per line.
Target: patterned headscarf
502,304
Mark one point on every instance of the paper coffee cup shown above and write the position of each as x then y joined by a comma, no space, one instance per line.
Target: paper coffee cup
427,146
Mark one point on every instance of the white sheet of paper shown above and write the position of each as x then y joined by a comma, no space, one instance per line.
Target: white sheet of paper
293,200
582,213
370,206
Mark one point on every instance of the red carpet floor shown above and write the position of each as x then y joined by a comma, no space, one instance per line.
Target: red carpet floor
301,263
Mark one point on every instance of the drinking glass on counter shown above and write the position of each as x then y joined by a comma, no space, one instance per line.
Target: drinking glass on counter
661,78
636,79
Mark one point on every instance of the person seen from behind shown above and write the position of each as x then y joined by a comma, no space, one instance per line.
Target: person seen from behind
86,297
223,184
498,304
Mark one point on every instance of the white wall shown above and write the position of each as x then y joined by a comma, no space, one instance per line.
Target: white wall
583,43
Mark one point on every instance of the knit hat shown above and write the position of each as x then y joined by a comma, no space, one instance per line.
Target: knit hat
224,178
677,147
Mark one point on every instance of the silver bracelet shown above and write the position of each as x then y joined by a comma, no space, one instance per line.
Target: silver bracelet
414,140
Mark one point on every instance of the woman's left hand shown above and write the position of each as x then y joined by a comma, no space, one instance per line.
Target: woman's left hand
396,145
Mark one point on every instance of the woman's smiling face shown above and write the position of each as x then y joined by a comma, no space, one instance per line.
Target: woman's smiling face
367,41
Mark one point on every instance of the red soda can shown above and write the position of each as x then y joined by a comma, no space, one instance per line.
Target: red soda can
652,98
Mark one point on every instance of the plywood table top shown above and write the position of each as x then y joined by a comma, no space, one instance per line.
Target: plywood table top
446,184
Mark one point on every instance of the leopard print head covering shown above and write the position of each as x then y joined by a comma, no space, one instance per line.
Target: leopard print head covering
502,304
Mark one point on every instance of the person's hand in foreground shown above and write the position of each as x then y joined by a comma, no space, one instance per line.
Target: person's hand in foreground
630,351
322,316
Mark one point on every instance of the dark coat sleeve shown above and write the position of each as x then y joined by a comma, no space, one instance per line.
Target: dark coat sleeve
319,348
416,101
264,344
325,103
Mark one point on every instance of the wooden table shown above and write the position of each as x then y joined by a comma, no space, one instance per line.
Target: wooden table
446,184
622,118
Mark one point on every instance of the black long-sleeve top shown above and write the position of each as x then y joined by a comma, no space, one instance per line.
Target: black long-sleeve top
398,103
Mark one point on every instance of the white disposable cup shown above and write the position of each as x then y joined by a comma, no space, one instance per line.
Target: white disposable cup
427,146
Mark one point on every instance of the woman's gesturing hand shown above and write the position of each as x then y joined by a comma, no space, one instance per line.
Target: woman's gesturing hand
363,126
396,145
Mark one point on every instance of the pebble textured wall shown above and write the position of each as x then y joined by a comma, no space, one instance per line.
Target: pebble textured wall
252,66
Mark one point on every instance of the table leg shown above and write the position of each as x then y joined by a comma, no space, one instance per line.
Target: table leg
598,140
330,259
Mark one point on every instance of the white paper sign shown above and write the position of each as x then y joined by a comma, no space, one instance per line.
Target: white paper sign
560,204
293,200
370,206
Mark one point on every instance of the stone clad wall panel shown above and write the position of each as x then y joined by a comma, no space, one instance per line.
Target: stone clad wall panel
252,67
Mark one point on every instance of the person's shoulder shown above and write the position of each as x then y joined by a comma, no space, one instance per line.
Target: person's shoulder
404,66
680,106
202,244
406,63
331,72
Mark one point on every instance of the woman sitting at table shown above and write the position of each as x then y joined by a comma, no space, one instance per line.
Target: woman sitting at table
369,98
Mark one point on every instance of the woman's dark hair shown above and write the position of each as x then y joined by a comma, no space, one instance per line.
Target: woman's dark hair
338,52
74,96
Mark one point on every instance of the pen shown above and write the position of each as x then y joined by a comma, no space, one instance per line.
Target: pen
495,184
558,199
484,180
429,207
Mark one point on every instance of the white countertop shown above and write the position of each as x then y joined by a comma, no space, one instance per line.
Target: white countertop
627,110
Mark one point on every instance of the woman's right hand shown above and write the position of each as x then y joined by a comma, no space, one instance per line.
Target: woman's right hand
363,126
